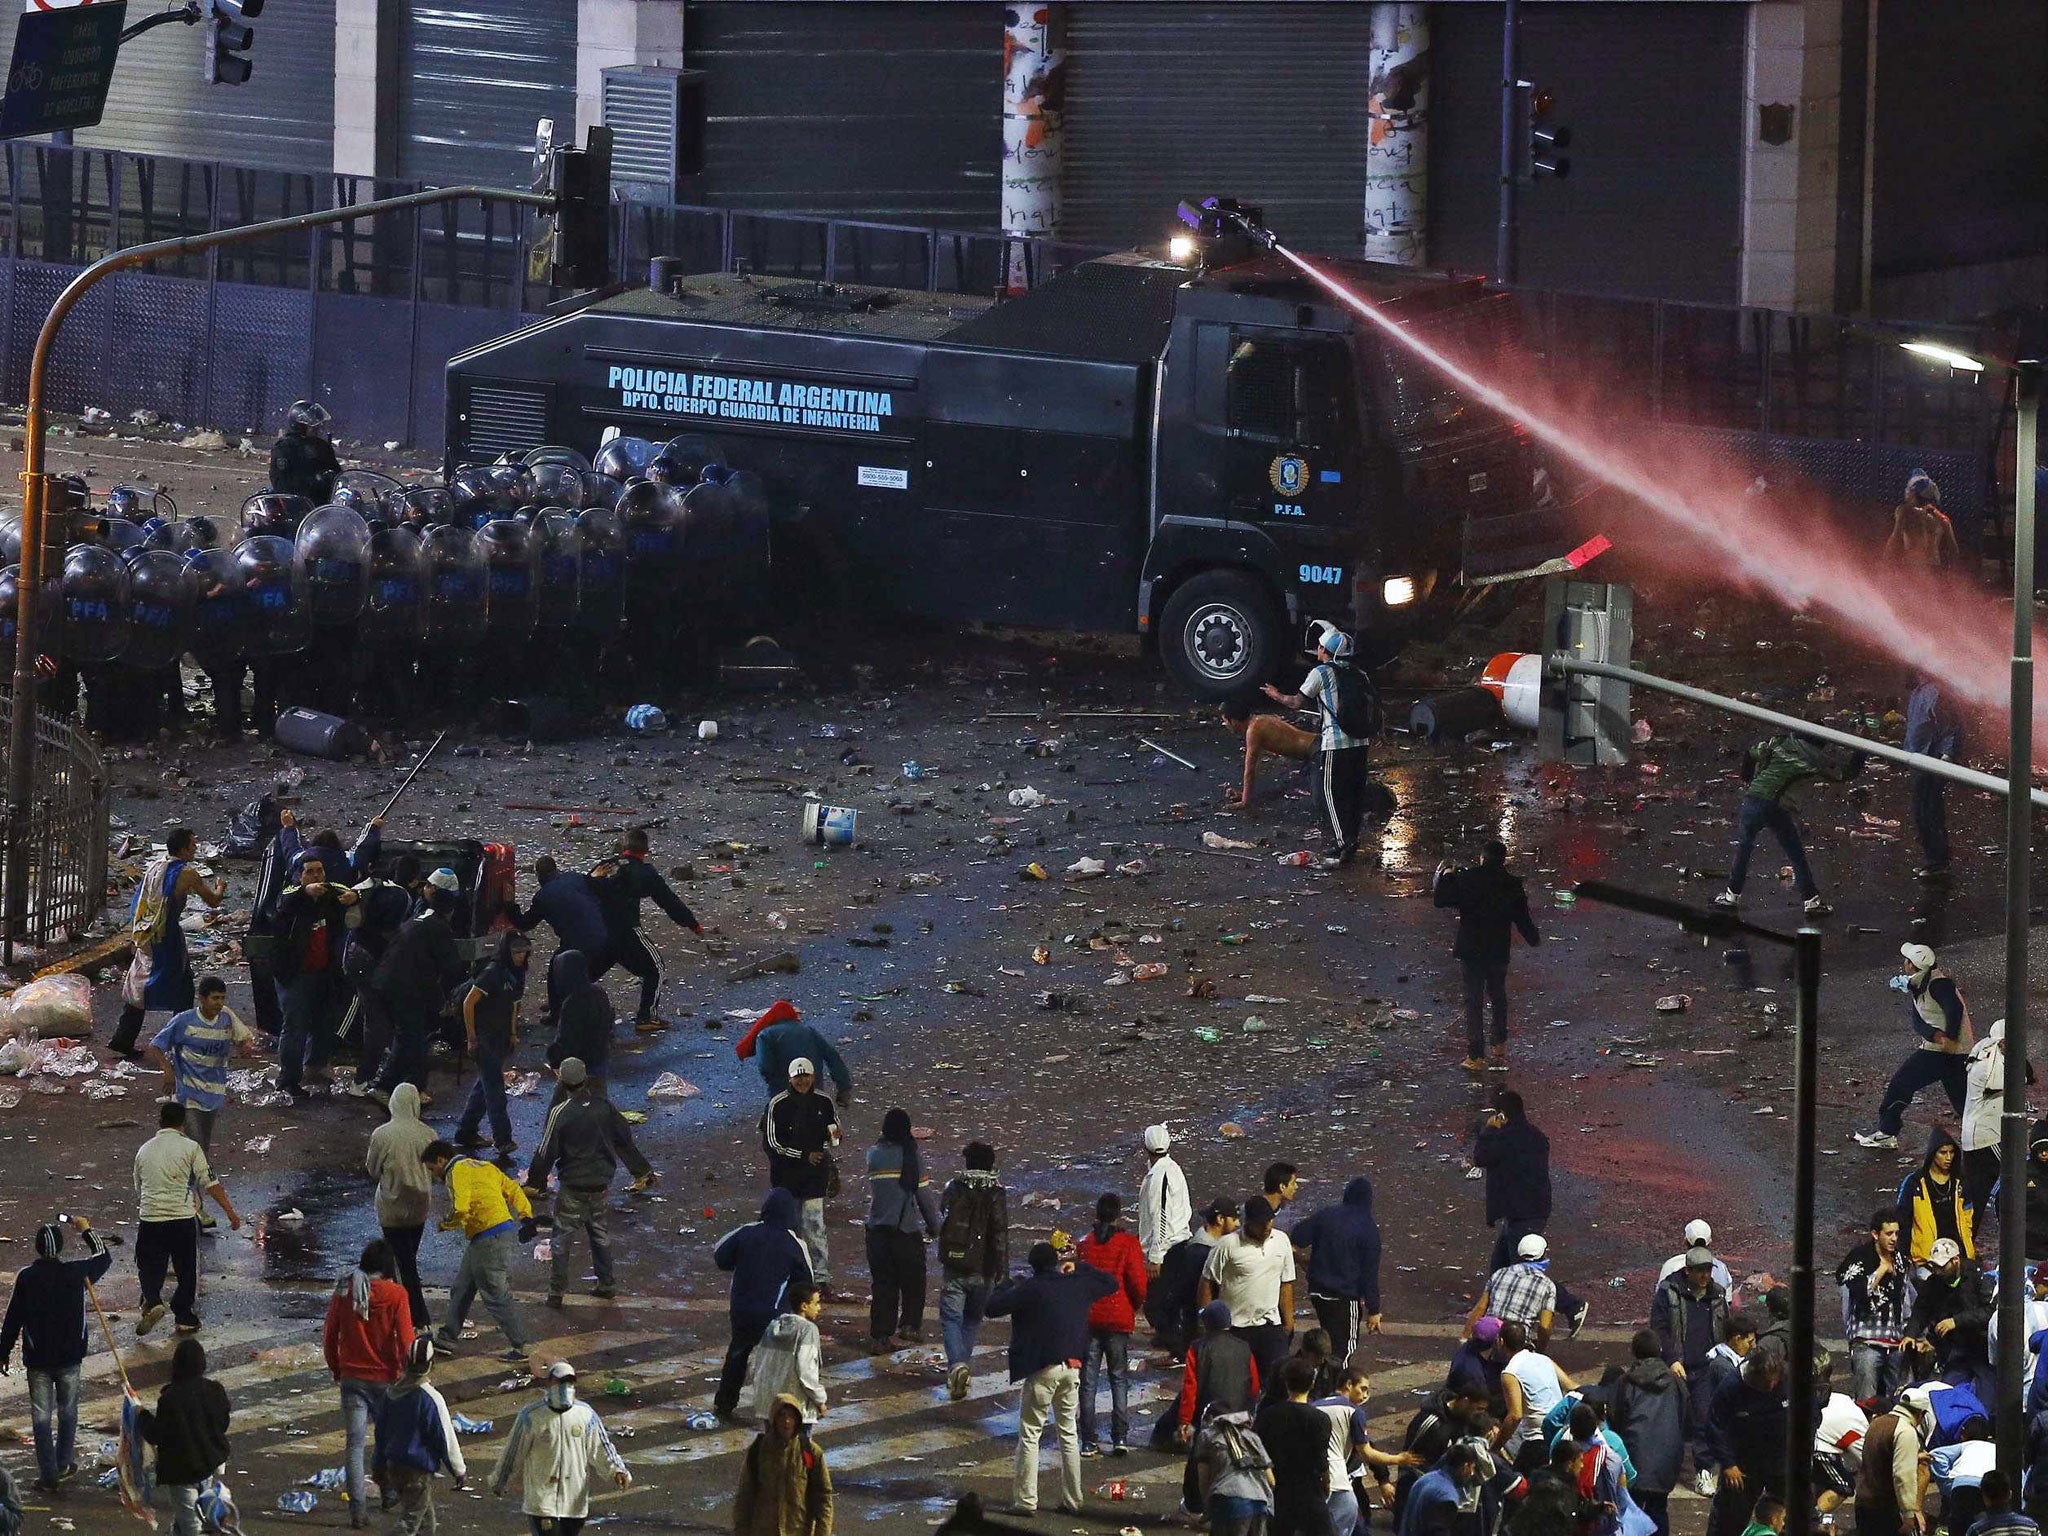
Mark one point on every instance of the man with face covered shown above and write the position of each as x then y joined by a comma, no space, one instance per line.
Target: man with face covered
784,1485
557,1446
310,932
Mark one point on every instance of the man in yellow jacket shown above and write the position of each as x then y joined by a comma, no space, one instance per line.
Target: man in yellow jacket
492,1211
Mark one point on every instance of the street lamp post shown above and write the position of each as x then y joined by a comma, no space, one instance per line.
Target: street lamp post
2010,1412
1800,1415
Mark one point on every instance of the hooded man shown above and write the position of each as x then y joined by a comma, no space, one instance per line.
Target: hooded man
1774,768
1341,695
1049,1332
405,1189
785,1489
583,1022
1342,1243
367,1340
1164,1209
764,1258
1492,907
1941,1020
1650,1410
46,1313
799,1131
556,1447
566,900
415,1440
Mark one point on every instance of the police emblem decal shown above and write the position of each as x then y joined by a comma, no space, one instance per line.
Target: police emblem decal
1289,474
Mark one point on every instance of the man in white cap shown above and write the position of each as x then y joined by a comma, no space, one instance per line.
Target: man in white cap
1699,1235
1164,1209
1522,1292
799,1129
1941,1020
556,1447
1350,710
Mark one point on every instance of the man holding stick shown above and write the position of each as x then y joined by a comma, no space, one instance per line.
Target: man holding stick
47,1314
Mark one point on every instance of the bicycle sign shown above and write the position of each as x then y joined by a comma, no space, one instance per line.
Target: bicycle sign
62,65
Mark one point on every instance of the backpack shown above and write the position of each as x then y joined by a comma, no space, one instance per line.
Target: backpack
1242,1449
970,1220
1354,703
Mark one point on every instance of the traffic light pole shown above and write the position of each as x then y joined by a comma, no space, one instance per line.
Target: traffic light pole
35,535
1510,72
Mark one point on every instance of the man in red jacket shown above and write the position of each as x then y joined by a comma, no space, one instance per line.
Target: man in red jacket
367,1339
1117,1254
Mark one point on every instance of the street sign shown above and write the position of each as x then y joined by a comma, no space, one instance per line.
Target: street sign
63,62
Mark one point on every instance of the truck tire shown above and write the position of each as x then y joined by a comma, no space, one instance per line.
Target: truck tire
1220,634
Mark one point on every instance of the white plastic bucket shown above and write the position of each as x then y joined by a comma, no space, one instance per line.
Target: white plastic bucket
829,825
1516,679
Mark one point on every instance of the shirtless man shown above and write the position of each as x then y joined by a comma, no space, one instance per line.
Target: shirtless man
1922,536
1265,733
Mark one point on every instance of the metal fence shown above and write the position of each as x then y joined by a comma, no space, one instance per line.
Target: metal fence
364,315
67,836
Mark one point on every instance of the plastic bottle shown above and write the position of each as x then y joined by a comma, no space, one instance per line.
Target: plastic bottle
1299,860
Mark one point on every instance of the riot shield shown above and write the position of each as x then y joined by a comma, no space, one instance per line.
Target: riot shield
601,576
92,604
455,587
511,578
395,615
558,547
331,564
159,609
274,621
625,458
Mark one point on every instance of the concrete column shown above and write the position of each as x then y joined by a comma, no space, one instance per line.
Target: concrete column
1397,136
1791,112
366,87
1034,106
614,32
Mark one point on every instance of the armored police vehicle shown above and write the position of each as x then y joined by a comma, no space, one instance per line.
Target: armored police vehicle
1211,457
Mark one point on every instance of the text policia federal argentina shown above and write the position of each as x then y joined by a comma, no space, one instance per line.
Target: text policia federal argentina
726,397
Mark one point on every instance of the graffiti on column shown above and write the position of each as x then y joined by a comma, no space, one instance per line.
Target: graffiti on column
1397,136
1034,103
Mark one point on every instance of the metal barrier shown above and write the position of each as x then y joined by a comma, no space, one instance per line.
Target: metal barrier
365,315
67,840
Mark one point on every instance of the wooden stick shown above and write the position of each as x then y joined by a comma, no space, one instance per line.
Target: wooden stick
1144,742
407,780
107,1328
580,810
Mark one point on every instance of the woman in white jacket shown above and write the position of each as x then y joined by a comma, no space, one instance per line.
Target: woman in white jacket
557,1445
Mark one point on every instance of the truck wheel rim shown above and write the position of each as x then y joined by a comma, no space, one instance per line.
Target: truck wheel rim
1219,641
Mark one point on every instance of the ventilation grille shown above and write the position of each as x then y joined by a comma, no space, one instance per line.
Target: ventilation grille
505,419
641,107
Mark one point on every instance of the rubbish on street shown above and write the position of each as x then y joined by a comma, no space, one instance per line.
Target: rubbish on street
784,964
1027,798
670,1086
1032,871
1088,869
1452,716
1218,840
297,1502
51,1006
1677,1002
1144,741
1298,860
707,730
646,719
829,825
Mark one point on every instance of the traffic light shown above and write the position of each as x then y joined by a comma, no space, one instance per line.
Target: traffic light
582,184
229,37
1543,139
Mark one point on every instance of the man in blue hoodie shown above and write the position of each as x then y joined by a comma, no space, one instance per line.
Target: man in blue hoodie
47,1314
1342,1246
567,902
1048,1339
762,1257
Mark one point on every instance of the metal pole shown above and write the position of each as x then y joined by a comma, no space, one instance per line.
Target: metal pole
21,723
1504,235
2019,848
1559,664
1799,1407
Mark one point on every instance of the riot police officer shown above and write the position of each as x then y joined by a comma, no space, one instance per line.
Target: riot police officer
302,461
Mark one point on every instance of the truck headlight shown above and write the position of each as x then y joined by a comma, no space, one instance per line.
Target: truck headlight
1397,591
1181,249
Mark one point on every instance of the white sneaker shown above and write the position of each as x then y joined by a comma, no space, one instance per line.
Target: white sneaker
1728,901
1705,1481
1817,906
1881,1141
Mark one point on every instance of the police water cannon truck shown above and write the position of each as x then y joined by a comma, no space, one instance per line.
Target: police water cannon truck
1204,450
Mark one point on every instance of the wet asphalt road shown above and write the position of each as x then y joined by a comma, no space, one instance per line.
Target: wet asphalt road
1654,1118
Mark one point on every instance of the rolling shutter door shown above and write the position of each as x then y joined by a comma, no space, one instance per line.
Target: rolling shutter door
160,103
476,81
883,111
1261,102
